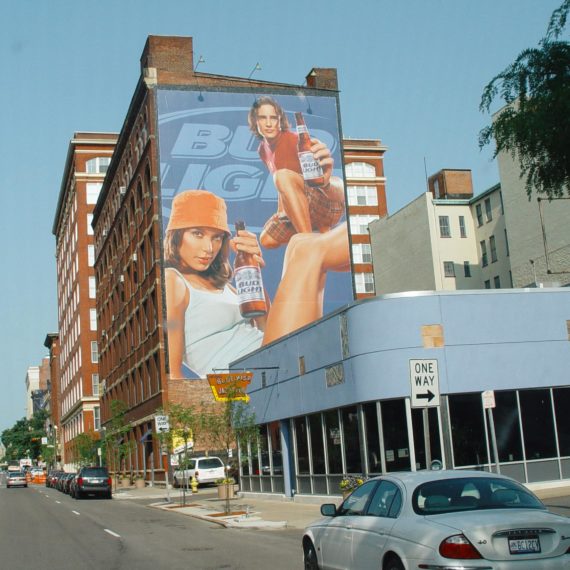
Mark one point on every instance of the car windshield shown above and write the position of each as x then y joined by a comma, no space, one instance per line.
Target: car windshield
210,463
16,474
471,494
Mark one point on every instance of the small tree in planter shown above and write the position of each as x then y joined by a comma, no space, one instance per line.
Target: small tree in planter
227,422
115,440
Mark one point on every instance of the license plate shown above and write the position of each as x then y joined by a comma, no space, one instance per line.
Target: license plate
524,545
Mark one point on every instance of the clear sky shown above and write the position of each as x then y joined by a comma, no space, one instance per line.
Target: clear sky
411,73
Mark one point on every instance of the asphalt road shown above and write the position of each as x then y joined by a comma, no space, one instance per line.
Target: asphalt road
43,528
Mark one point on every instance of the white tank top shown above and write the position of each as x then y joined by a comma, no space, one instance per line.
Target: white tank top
215,333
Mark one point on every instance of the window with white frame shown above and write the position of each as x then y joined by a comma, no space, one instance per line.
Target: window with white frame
466,269
362,196
95,384
488,210
479,213
89,226
93,319
484,260
92,287
91,255
93,189
449,269
97,418
360,170
361,253
493,249
462,228
364,282
444,230
94,352
497,281
359,224
98,165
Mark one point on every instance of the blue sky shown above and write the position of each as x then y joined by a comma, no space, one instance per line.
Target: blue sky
411,73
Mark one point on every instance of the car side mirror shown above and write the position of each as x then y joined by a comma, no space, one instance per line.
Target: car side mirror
328,510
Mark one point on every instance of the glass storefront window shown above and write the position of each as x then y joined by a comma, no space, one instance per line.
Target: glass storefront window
351,439
332,430
507,427
395,431
467,429
301,445
538,424
561,406
372,437
317,449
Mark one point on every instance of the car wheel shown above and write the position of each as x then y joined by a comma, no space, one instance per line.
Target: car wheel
78,495
310,557
393,563
109,495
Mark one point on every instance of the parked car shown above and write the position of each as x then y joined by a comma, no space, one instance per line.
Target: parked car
438,520
16,479
94,481
63,481
204,469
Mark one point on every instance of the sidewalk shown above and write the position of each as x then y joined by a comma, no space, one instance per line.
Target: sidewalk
245,511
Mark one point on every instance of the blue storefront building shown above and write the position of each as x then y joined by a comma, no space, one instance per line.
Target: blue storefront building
395,382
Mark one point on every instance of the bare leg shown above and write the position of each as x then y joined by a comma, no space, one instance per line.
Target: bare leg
299,298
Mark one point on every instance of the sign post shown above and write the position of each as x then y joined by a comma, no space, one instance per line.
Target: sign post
488,397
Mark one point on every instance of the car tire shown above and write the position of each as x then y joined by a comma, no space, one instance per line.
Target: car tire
25,486
78,495
109,495
310,557
393,563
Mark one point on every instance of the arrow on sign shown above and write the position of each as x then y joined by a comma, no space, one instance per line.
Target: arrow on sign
429,396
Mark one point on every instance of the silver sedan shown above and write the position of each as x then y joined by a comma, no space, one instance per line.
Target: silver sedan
438,520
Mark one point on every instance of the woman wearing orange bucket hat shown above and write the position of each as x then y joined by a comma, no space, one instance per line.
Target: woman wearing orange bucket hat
205,327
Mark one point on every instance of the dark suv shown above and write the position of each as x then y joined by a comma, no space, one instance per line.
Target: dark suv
92,481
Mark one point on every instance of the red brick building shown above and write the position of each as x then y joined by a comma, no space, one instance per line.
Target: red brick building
127,222
77,392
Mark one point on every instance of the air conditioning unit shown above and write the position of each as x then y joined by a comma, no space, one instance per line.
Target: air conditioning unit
122,190
112,318
134,256
104,232
122,279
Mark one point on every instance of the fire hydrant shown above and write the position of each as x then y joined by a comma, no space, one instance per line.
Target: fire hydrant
194,485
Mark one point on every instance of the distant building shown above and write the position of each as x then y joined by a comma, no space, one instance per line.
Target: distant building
37,378
53,426
445,240
77,394
539,231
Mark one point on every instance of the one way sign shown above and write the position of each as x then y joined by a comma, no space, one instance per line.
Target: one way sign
424,379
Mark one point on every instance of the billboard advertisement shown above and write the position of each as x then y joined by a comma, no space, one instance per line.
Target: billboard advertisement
255,236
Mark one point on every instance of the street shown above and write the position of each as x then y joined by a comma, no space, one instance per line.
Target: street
41,527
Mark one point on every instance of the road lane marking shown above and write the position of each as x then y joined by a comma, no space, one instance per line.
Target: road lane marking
58,502
112,533
75,512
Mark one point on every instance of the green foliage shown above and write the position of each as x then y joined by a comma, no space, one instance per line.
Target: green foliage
85,445
115,439
24,438
534,125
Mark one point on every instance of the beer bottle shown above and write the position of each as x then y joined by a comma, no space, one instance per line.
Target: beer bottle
310,167
249,285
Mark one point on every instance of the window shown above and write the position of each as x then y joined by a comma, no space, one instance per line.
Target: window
467,430
97,418
479,211
92,287
360,170
448,269
488,284
493,249
484,260
497,281
89,226
506,243
359,224
364,282
91,255
386,501
488,212
95,384
98,165
444,227
93,319
462,229
466,269
362,196
362,253
93,189
94,352
507,427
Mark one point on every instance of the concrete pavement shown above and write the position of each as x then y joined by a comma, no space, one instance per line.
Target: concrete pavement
246,511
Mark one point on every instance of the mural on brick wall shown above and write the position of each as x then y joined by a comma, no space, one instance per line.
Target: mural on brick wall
254,221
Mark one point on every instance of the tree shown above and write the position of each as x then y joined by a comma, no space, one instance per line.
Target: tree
115,440
85,447
25,437
534,125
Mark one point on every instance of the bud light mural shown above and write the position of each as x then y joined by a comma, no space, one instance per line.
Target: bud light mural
256,176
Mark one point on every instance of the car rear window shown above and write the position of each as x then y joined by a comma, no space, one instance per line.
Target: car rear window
95,472
210,463
471,494
16,474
